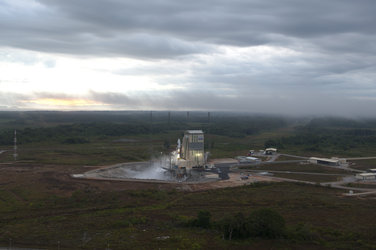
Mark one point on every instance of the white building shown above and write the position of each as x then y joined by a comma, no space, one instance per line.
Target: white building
247,159
324,161
270,151
366,176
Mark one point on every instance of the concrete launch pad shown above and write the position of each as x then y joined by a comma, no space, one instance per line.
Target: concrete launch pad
142,171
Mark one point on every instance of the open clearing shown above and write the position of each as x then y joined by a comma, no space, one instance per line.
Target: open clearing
45,202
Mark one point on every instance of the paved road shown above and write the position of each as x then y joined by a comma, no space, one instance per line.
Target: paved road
273,158
346,180
296,156
337,184
361,158
359,194
294,172
279,162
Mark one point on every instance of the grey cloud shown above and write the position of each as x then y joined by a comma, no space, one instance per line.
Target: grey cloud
149,46
119,99
47,95
286,102
155,70
12,100
166,28
292,103
334,43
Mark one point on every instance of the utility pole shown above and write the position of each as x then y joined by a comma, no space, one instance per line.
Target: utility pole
151,136
169,135
208,131
15,146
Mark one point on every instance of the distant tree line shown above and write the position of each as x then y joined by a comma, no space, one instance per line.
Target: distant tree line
74,133
80,127
318,137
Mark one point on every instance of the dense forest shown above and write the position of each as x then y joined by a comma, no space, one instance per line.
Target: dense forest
327,135
79,127
330,135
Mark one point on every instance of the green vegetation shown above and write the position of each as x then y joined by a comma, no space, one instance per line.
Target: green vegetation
299,171
99,138
331,136
362,185
202,220
364,164
297,167
42,207
263,223
286,214
309,177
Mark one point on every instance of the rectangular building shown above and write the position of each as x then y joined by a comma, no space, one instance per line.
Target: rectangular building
324,161
192,150
365,176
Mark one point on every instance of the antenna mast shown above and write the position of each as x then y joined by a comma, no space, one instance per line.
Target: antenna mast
15,146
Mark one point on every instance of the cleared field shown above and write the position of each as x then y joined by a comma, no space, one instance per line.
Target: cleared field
363,185
364,164
286,158
297,167
308,177
41,205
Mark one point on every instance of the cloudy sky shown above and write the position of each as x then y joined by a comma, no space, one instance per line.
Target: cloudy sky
275,56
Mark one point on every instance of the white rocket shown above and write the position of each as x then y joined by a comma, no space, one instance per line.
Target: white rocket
178,148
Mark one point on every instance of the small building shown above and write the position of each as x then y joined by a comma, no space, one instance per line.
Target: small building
324,161
251,152
270,151
244,176
366,176
247,159
341,160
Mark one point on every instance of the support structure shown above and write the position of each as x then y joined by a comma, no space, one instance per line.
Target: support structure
15,146
192,150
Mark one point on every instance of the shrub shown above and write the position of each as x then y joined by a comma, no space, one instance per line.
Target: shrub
203,219
266,223
303,232
75,140
263,223
234,227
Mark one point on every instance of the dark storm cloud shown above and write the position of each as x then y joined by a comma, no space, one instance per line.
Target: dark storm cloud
167,28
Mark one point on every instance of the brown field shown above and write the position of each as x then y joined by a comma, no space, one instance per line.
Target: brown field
42,205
